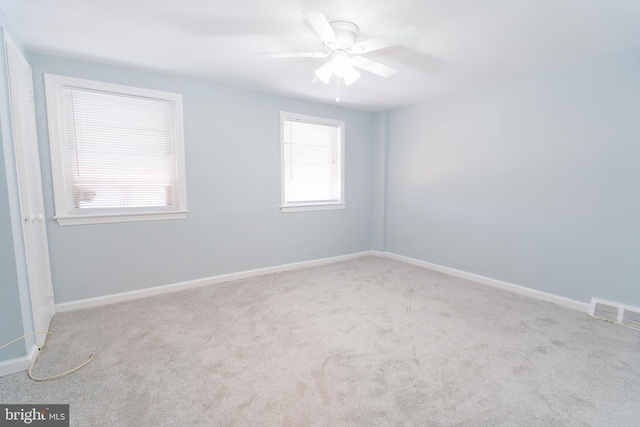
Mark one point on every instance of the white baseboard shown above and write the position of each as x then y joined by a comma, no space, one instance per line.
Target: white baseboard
565,302
142,293
17,364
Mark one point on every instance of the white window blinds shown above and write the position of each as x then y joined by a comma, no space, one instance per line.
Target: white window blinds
119,152
312,162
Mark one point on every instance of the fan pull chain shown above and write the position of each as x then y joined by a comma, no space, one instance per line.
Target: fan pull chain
338,88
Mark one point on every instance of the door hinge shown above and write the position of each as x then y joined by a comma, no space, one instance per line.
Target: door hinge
51,291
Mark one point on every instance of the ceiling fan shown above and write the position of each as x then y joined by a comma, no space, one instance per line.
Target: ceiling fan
339,38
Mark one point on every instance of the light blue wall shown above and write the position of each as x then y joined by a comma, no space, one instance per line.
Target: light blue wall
11,326
534,181
10,315
232,142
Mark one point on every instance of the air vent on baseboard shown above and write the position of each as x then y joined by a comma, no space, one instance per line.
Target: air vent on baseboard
605,311
631,318
615,312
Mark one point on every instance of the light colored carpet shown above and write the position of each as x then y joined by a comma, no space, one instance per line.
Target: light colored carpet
365,342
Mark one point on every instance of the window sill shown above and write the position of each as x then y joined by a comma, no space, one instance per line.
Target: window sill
108,218
312,207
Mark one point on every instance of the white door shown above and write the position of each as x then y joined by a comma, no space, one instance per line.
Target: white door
30,187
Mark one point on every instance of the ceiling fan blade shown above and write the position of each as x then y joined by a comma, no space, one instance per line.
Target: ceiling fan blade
373,66
321,25
393,38
294,55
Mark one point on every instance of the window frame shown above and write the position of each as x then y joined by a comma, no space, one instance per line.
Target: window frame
65,215
310,205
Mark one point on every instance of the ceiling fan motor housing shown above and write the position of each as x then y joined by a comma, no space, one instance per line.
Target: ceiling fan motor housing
346,33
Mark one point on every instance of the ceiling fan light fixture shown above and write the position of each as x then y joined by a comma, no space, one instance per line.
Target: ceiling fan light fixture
343,67
351,76
341,63
324,73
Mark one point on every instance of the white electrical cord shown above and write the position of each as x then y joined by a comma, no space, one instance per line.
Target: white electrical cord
35,358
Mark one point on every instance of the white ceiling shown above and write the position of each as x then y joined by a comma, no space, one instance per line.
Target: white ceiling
463,44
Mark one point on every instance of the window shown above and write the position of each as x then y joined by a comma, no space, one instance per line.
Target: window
117,152
312,163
